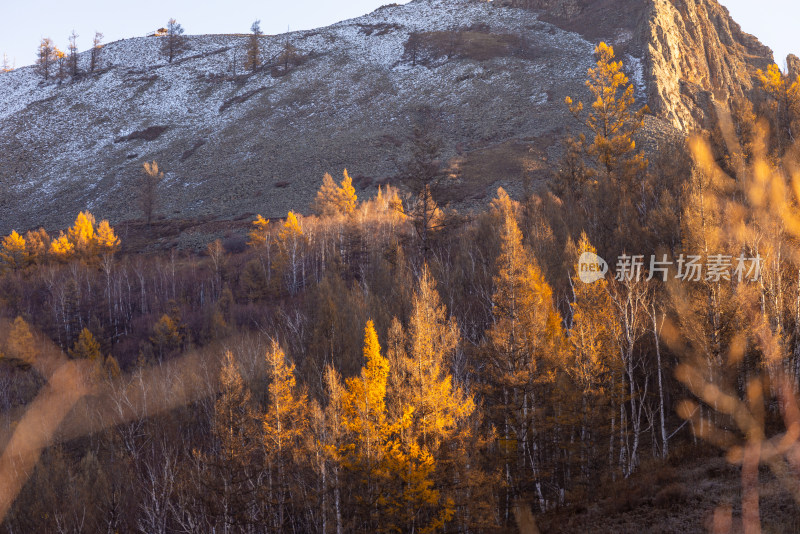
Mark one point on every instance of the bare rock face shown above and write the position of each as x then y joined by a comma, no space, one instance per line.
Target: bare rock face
793,65
694,52
694,48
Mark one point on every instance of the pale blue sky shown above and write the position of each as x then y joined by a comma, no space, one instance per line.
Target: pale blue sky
24,22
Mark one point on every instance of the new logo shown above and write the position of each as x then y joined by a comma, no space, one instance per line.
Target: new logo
591,268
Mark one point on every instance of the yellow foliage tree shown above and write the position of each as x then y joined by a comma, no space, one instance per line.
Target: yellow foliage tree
86,347
786,94
290,247
522,357
285,425
592,332
111,368
432,340
61,247
258,236
612,179
413,502
433,410
81,234
593,364
37,243
105,239
166,337
232,467
365,448
364,404
611,121
335,199
389,201
148,191
21,343
14,254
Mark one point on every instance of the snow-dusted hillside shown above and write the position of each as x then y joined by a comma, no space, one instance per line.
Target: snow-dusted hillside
351,103
260,143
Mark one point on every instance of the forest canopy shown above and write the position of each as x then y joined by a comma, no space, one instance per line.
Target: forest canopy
390,365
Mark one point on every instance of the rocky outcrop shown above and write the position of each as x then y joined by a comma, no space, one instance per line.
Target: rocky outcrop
695,51
793,65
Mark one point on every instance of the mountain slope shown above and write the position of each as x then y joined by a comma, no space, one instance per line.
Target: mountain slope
494,78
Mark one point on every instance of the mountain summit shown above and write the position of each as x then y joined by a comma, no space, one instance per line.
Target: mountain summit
493,75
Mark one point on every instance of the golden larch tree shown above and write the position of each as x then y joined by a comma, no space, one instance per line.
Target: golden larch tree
285,425
105,239
291,242
37,243
166,337
21,343
62,248
612,121
434,410
13,254
785,93
232,468
594,367
81,234
86,348
148,190
611,152
522,356
367,432
335,199
258,236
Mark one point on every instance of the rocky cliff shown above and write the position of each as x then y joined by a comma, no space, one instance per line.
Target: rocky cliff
493,76
693,50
